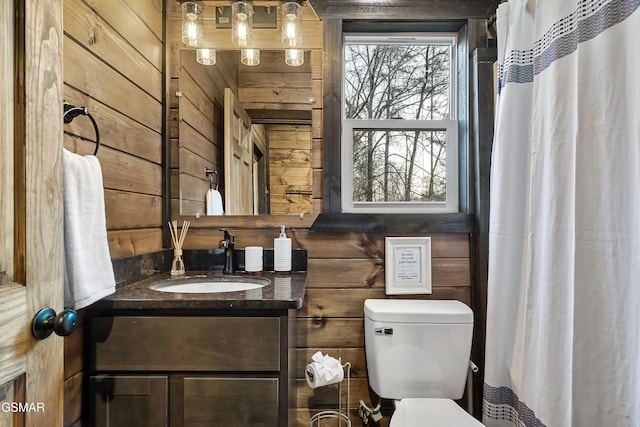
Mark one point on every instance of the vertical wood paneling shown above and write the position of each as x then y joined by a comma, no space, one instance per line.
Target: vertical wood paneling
7,80
331,132
39,196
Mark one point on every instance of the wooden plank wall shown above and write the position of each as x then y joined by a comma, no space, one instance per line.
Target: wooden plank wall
197,106
344,270
290,169
273,85
113,66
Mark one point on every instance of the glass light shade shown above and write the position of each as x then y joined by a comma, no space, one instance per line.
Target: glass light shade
191,23
206,56
250,57
294,57
241,23
291,24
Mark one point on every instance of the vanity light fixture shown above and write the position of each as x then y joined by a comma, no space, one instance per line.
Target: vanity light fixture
192,23
241,23
250,57
291,24
242,18
294,57
206,56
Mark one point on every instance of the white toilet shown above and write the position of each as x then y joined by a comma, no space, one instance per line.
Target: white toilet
418,353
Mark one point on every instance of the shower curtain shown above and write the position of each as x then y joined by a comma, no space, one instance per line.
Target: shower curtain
563,320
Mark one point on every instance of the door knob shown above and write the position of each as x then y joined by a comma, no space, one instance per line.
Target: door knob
46,322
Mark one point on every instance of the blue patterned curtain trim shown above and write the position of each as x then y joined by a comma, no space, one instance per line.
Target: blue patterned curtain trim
501,403
591,18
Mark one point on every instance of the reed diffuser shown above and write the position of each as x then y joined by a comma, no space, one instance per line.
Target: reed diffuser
177,266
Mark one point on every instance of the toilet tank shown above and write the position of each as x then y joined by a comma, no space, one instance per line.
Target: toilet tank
417,348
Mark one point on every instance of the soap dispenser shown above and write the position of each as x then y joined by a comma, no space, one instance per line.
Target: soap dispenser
282,251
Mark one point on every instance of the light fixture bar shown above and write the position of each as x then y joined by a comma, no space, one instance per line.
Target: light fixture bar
263,17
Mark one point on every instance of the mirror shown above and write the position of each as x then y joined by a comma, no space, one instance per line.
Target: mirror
253,125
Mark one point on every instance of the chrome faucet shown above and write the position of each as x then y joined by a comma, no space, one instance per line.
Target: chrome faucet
227,244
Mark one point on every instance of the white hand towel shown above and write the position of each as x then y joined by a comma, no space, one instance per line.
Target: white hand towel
214,202
88,269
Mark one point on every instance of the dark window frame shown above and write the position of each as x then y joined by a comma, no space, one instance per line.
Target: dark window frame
332,219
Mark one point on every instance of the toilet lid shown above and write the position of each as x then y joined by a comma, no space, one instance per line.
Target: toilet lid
431,413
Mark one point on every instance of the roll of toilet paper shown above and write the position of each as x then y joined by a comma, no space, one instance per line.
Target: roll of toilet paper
323,370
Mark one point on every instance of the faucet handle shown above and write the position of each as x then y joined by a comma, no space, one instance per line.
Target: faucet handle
229,239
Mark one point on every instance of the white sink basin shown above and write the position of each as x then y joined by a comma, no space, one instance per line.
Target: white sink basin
209,285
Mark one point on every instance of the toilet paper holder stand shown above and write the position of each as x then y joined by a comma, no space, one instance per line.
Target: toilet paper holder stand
343,418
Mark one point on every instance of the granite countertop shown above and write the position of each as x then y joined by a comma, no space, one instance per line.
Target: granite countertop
286,291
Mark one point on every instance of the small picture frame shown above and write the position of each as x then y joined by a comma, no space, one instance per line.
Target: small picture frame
407,265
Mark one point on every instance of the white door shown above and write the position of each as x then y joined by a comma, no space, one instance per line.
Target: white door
238,157
31,221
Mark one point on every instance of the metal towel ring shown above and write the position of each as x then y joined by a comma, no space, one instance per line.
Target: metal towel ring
209,173
71,112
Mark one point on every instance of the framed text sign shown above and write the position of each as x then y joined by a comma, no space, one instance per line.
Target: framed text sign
408,265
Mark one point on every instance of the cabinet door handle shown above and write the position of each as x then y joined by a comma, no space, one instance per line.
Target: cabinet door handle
46,322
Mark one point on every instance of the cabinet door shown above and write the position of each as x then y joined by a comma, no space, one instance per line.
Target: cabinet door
224,401
129,401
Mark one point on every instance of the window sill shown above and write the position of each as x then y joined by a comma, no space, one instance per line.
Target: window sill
393,223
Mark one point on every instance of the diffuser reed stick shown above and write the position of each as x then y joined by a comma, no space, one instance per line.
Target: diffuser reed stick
177,266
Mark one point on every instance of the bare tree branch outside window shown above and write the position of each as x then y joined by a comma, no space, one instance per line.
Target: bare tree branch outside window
398,82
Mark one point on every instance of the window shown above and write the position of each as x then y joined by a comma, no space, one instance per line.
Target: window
400,129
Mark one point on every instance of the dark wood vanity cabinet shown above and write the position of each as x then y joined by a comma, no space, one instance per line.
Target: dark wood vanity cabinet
225,401
129,400
185,370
